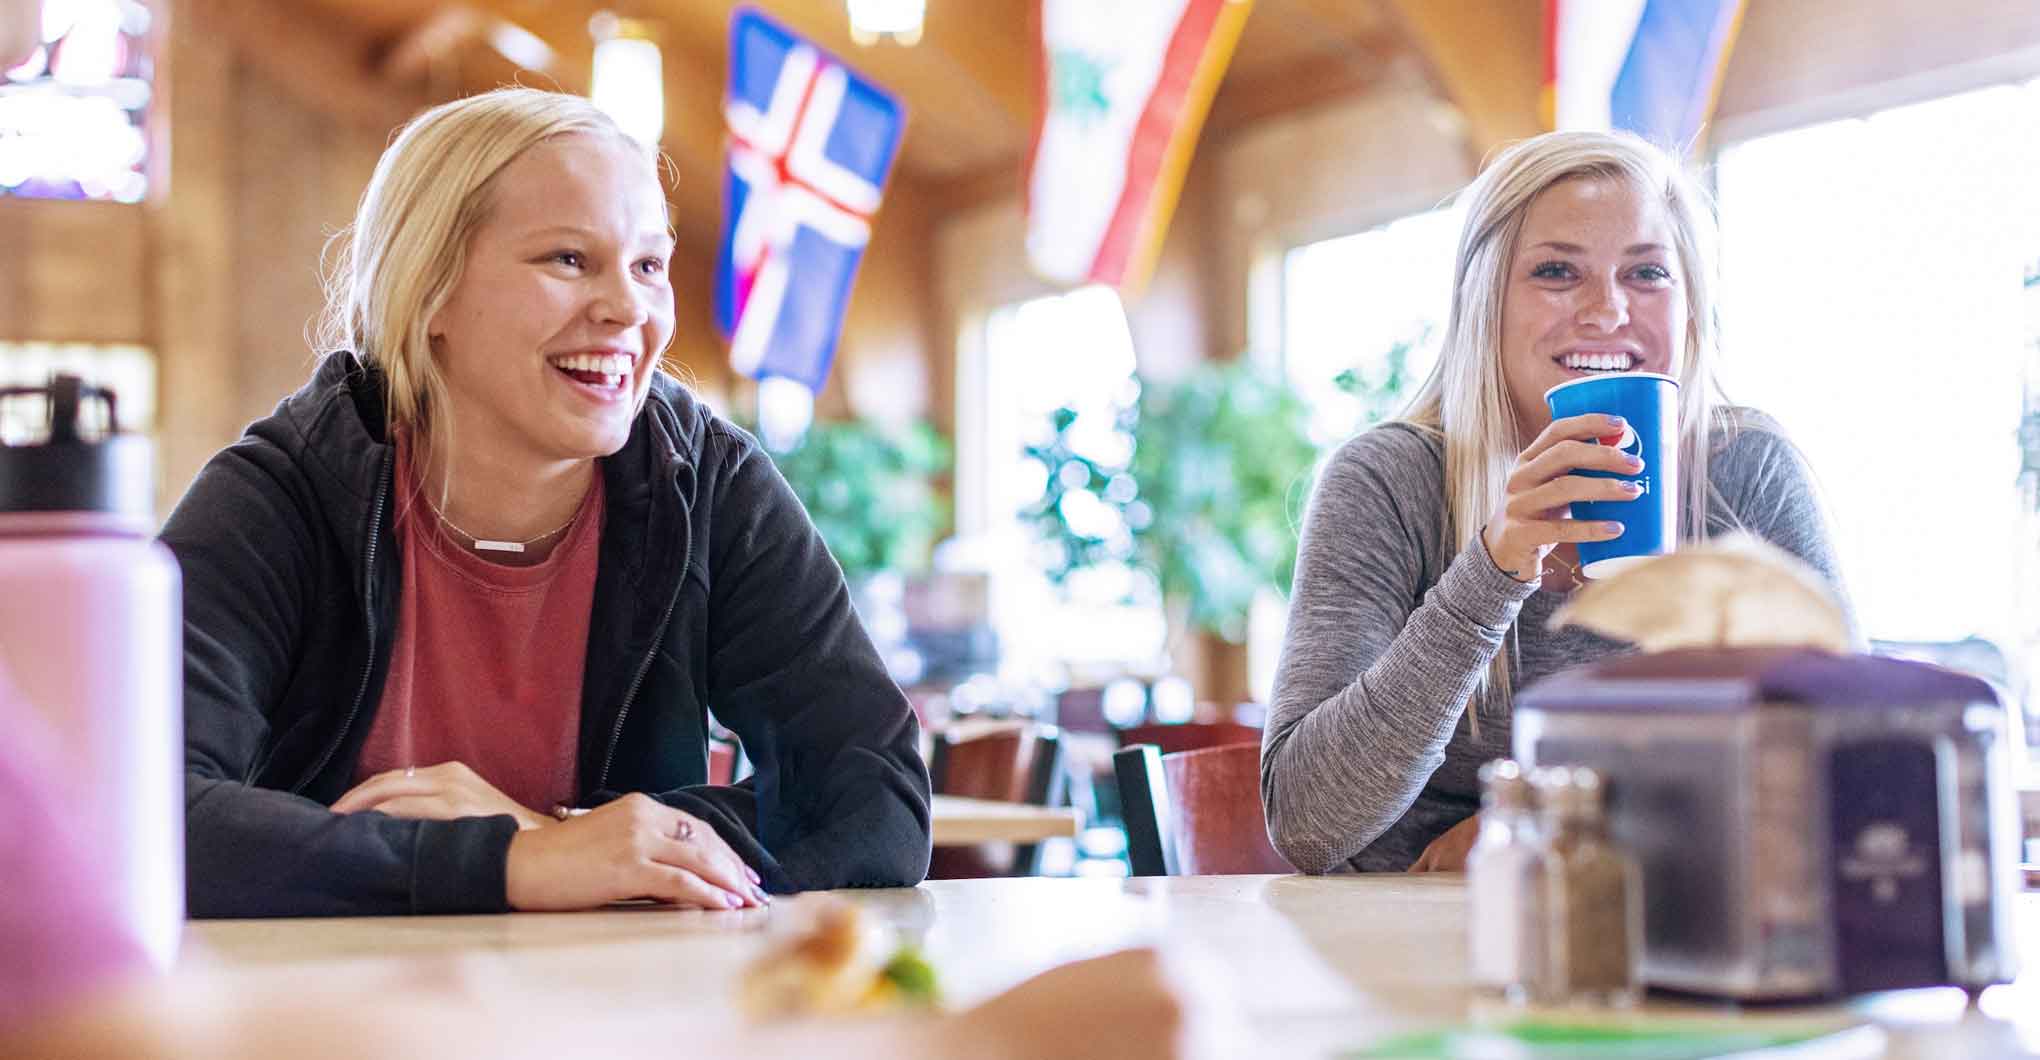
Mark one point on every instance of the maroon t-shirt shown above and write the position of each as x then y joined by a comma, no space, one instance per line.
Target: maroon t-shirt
487,664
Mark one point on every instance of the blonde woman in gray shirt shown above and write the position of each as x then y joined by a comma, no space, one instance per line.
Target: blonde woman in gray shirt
1436,546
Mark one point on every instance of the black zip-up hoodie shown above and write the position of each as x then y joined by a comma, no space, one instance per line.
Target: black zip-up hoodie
714,591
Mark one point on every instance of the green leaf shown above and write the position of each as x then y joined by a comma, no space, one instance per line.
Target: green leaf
870,492
1218,458
913,975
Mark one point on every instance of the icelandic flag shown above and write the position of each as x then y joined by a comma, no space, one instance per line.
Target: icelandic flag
810,145
1652,67
1126,87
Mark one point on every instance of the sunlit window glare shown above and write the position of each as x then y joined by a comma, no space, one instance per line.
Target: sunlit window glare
1874,301
1065,351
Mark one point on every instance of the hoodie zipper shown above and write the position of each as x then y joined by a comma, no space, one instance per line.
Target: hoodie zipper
658,634
382,492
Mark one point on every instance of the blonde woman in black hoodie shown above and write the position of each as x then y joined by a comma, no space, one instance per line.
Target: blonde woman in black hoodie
456,614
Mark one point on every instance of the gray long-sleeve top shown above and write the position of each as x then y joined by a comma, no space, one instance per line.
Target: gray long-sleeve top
1366,757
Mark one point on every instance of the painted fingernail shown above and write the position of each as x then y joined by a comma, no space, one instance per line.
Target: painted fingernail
761,896
1633,460
1612,529
753,873
1617,422
1632,488
732,900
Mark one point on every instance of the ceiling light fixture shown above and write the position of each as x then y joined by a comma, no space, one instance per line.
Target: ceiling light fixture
871,20
628,81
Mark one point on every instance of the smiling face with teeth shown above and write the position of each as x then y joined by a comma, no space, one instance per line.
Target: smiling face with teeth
549,338
1594,286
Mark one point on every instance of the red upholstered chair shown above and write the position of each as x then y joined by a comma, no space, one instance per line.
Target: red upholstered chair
1190,736
1195,813
1009,762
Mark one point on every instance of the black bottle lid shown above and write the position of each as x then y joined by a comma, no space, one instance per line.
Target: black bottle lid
66,471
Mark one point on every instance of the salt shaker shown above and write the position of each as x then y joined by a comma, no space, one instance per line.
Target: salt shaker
1504,885
1592,894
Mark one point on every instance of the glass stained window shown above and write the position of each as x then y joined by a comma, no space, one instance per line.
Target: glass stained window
71,115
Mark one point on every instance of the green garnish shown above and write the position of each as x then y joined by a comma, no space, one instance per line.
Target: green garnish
913,976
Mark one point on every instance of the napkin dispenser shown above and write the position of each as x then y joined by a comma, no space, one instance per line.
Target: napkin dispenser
1809,824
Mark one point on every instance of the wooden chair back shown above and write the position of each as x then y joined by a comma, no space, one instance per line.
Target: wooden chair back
1009,762
1190,736
1195,813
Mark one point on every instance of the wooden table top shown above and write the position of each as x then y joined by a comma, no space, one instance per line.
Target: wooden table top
958,821
1319,964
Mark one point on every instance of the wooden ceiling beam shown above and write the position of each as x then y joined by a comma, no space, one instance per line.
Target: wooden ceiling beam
324,64
966,83
1355,69
1486,56
970,191
992,48
411,59
1324,78
693,137
563,26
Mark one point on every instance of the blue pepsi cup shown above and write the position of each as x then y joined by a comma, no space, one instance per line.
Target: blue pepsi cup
1649,403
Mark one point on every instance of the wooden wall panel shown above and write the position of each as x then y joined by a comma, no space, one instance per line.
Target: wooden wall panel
1488,58
697,355
1801,61
297,173
191,267
71,272
882,364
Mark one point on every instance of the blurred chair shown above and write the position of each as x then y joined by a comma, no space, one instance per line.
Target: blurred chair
1190,735
1195,813
1008,762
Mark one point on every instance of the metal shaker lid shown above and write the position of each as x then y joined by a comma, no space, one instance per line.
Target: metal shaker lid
1708,680
1571,792
62,469
1504,787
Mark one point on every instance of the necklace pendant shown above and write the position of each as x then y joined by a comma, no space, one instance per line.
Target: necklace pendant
483,545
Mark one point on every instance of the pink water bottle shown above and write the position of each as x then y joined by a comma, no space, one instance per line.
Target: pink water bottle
91,633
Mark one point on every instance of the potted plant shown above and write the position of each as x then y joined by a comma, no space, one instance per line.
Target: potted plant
1208,503
871,492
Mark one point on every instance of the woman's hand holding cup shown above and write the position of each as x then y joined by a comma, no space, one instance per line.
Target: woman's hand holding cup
1535,517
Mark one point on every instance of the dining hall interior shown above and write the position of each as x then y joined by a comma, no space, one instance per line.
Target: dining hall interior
1080,629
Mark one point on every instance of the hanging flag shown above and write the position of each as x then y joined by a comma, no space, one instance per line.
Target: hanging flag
1652,67
811,142
1125,89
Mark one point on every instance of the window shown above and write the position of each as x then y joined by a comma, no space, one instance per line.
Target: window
1362,319
129,371
1065,351
1876,300
1348,302
71,115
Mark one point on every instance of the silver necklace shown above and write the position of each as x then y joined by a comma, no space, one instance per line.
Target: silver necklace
483,544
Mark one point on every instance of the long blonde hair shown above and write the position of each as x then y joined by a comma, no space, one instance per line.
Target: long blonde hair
1465,401
396,266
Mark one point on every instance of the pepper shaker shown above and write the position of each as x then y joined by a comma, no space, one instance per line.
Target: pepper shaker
1593,911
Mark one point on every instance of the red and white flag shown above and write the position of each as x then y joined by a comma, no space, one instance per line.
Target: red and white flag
1125,87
